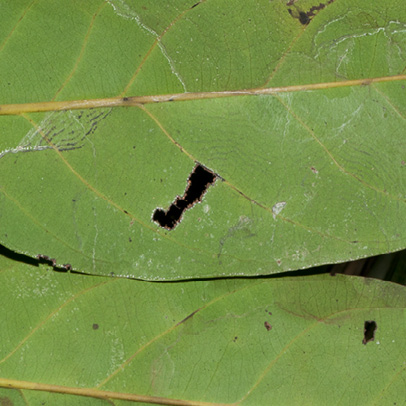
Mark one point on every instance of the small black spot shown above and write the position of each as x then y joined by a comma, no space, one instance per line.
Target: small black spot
125,99
235,338
369,331
199,180
129,239
300,15
194,5
303,18
95,326
125,211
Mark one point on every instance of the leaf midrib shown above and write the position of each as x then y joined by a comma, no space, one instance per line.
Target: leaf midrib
46,106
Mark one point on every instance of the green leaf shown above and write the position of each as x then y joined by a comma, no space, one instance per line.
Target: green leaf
241,341
310,160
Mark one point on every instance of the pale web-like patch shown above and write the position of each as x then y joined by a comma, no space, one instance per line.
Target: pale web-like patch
63,130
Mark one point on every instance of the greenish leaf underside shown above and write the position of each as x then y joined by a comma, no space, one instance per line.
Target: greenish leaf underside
309,175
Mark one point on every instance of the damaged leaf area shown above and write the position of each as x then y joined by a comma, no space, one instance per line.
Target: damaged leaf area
297,110
199,180
281,337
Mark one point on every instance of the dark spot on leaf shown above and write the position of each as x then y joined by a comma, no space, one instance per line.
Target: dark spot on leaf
129,239
303,18
125,99
199,180
188,317
267,326
194,5
369,331
125,212
95,326
314,170
68,267
300,15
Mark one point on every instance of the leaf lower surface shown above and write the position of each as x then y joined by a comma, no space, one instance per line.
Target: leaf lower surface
295,340
306,176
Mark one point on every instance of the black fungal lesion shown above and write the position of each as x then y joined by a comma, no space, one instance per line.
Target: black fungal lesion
195,5
369,331
300,15
199,181
305,17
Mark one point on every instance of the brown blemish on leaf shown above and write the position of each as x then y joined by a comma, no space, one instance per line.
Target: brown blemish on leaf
188,317
95,326
267,326
369,331
4,401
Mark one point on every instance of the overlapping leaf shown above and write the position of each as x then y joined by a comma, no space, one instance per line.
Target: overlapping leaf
306,175
235,341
